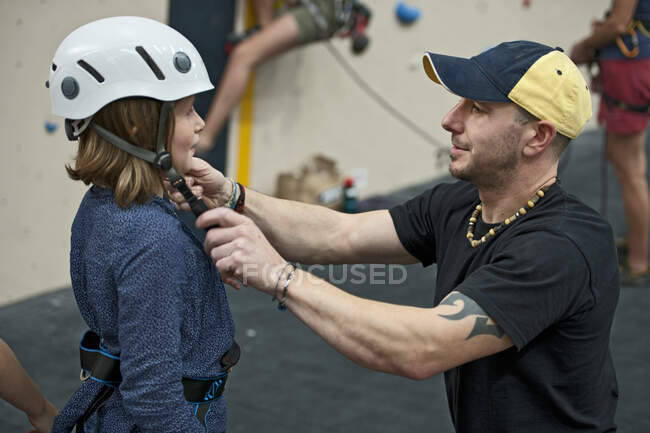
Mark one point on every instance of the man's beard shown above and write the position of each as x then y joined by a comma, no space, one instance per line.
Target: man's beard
494,166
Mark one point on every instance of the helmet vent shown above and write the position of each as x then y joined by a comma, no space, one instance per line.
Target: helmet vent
92,71
150,62
53,67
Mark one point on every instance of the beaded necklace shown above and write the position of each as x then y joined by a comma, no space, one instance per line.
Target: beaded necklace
477,212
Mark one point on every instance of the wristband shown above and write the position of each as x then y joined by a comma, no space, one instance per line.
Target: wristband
282,302
231,201
239,206
275,289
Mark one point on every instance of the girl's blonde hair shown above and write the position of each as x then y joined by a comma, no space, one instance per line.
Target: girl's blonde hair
103,164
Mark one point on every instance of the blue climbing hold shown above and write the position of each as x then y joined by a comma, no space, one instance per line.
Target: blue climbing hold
51,127
406,14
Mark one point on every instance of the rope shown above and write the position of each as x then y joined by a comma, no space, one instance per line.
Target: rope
374,95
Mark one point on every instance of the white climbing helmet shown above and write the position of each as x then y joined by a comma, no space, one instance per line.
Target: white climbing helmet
118,57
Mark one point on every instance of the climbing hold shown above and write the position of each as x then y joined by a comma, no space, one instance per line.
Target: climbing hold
406,14
50,127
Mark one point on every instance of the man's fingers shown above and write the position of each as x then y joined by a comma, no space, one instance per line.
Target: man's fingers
232,282
229,270
230,267
178,198
221,216
217,237
224,250
200,167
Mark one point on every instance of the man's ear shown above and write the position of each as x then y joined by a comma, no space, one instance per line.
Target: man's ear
538,137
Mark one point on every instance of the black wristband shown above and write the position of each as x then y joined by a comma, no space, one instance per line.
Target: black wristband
239,206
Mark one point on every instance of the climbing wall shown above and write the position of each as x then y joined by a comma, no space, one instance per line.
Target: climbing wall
37,200
305,103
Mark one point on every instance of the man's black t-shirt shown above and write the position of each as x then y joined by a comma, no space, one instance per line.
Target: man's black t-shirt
550,281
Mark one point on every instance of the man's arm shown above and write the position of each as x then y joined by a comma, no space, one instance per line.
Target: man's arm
408,341
315,234
303,232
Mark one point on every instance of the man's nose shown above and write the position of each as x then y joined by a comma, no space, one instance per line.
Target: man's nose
453,120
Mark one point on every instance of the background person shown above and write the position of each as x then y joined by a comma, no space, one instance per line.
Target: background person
624,111
17,388
304,22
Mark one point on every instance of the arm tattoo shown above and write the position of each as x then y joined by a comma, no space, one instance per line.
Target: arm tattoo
470,308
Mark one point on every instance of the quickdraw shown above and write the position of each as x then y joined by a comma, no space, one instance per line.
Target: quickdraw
634,51
627,52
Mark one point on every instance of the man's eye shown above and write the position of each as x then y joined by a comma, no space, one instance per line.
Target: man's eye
476,108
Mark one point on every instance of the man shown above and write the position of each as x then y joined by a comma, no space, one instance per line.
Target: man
527,280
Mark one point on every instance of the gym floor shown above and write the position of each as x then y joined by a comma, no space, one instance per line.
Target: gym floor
288,379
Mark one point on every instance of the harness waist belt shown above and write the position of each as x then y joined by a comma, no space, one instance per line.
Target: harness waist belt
99,365
624,105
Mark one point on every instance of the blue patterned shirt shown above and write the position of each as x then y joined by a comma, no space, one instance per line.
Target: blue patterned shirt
144,284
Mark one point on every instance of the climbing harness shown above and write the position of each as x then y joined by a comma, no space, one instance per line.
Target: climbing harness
101,366
351,21
630,53
617,103
342,10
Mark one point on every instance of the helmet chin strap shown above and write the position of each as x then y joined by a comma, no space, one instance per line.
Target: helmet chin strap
161,159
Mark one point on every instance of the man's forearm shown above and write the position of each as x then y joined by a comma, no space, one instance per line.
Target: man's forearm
394,339
299,231
408,341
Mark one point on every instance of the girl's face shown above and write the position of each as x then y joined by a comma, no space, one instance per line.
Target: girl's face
187,126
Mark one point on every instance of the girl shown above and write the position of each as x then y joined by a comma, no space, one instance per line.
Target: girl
156,308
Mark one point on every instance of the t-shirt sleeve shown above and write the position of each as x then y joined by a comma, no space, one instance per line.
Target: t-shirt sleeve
414,222
536,280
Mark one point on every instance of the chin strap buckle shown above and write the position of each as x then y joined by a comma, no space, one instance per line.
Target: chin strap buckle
163,160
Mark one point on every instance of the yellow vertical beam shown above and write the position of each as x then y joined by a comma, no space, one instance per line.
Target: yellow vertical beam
246,114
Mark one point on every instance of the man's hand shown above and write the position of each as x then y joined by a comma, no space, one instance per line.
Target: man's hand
240,251
206,182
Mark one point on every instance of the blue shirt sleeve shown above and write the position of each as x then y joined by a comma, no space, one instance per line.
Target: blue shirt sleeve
150,282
